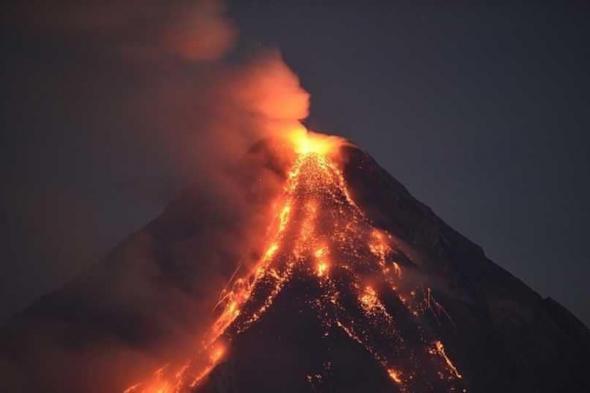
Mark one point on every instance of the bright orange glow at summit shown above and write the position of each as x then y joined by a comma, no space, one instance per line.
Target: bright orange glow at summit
308,142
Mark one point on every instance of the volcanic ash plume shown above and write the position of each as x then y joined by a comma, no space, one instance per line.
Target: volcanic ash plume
192,116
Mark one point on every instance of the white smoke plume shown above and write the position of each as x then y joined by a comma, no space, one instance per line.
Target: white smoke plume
199,114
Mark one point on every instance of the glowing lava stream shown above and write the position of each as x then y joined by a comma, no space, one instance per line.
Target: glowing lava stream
320,234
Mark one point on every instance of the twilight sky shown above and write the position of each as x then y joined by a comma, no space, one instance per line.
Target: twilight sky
481,110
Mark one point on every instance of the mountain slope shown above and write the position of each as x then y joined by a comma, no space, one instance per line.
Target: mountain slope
395,301
505,335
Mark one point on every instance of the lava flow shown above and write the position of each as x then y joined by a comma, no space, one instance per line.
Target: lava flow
320,235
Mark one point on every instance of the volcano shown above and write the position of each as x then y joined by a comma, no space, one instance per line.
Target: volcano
358,288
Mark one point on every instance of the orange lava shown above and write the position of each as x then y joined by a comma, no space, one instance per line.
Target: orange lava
318,232
394,375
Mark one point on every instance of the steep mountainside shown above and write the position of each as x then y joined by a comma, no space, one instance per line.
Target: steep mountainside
361,288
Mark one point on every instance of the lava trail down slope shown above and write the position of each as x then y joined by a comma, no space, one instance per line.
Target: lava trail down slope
356,287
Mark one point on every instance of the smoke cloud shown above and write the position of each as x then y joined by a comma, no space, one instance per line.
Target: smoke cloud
188,114
193,30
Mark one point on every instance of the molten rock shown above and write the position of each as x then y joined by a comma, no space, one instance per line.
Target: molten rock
359,288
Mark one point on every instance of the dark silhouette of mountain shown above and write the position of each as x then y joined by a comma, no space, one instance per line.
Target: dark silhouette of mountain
101,331
504,335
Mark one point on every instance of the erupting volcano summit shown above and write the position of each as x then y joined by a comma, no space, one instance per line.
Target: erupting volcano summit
358,288
345,273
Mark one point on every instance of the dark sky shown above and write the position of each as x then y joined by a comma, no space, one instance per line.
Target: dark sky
481,110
